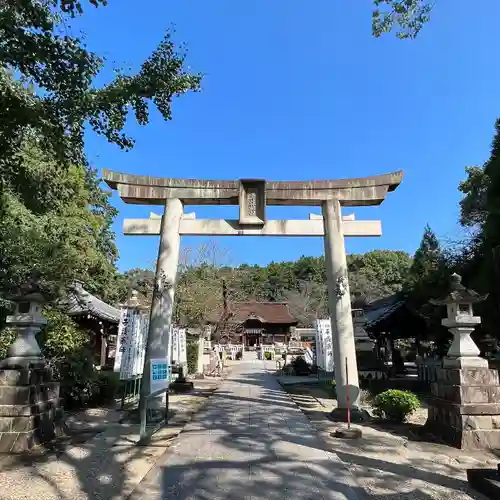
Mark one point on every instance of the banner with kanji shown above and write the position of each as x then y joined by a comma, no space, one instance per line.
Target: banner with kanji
178,346
182,346
131,343
324,344
174,345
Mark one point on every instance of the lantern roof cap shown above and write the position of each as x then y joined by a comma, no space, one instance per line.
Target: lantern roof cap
458,294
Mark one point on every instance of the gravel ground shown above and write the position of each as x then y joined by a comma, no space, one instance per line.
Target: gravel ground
392,465
101,459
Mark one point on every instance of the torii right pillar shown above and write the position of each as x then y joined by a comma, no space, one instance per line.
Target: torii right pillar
339,305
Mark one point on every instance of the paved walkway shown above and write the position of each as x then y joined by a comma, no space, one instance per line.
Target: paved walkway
106,467
249,442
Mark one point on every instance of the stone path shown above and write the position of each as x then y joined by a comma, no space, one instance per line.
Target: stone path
108,466
390,465
249,442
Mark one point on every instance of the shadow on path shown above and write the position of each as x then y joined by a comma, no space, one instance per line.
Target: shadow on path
251,442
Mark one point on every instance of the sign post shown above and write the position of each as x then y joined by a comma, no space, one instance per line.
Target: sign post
347,395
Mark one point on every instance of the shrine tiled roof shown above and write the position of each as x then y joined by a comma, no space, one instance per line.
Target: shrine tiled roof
265,312
381,309
80,302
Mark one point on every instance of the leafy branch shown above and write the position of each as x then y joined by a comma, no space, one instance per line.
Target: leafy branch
408,16
57,96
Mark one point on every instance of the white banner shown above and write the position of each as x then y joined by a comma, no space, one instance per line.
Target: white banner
127,337
142,338
131,343
119,341
174,349
182,346
320,358
324,345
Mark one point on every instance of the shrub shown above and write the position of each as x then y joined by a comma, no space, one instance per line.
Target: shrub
395,405
268,355
61,335
192,356
329,386
108,385
77,376
67,349
69,354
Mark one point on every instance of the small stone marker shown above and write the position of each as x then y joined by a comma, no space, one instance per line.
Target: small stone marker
348,433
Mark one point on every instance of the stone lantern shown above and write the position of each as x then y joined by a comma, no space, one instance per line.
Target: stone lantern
27,319
461,322
29,398
464,410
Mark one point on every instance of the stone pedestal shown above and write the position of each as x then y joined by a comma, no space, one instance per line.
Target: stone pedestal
180,384
30,411
486,481
465,410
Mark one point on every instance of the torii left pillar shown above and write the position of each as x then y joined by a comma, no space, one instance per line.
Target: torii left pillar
158,344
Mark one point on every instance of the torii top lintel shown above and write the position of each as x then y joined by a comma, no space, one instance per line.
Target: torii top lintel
145,190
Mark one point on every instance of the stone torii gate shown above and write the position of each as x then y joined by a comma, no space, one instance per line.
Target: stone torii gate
252,196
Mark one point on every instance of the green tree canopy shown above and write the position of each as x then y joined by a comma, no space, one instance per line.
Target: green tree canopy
56,223
492,174
429,277
479,259
141,280
473,210
301,283
55,219
59,96
428,256
378,273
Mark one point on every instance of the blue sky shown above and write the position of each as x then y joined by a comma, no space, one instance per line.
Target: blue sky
298,89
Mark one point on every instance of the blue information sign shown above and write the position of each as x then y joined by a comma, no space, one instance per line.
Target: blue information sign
159,375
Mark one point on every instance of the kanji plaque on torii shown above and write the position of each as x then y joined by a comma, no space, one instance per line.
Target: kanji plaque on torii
252,196
252,201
